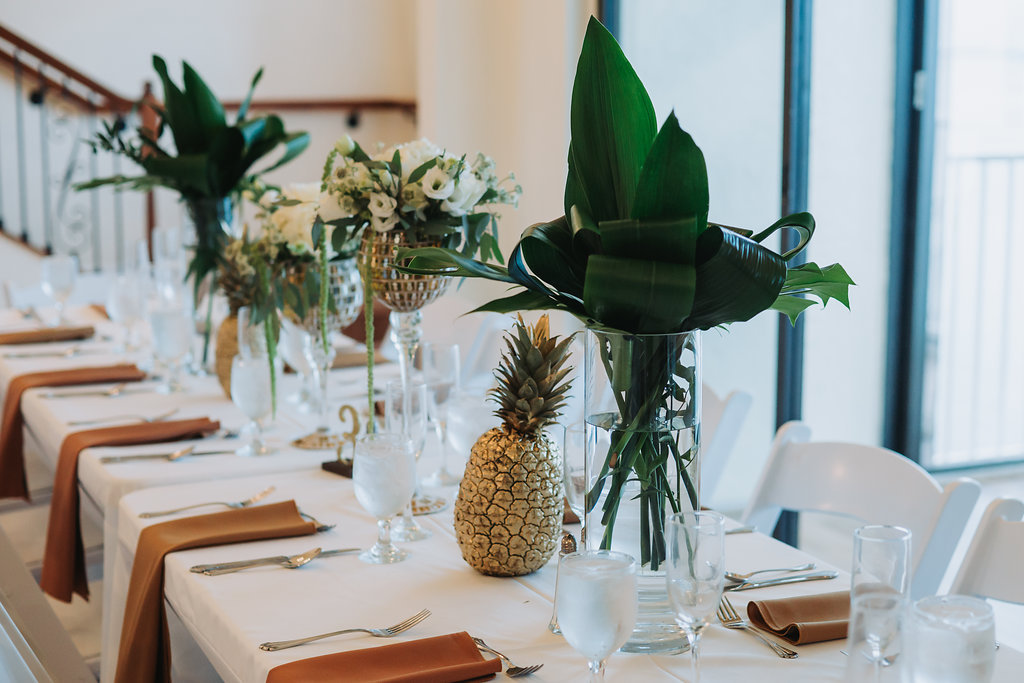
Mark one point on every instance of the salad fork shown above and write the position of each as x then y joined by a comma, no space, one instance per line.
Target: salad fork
121,418
731,619
240,504
512,671
376,632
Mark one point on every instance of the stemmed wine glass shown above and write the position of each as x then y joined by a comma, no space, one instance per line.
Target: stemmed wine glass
441,375
696,574
171,323
58,281
405,412
384,476
575,486
596,601
126,305
878,594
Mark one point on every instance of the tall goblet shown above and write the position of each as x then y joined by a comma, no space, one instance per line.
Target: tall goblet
441,375
251,392
575,485
696,574
384,476
596,602
405,412
58,280
171,324
125,305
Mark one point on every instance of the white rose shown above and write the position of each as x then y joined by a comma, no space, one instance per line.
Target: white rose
295,223
437,184
332,207
303,192
384,224
415,154
468,192
382,205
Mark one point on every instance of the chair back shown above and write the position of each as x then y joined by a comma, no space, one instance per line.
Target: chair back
872,484
992,566
720,425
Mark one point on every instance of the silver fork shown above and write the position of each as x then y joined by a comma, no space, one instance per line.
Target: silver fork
512,671
377,632
731,619
240,504
122,418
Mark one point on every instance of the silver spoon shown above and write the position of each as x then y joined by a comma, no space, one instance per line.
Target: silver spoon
733,576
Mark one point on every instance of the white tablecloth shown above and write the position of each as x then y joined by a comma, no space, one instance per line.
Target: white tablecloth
228,616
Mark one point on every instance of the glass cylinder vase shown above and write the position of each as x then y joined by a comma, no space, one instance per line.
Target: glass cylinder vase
642,403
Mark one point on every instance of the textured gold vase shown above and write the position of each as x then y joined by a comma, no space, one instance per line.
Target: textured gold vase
401,292
227,348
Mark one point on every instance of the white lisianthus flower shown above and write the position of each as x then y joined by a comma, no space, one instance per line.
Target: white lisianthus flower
468,191
437,184
382,205
416,153
332,206
345,145
295,223
383,224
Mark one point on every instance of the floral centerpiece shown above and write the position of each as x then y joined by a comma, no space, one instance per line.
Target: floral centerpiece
207,161
635,258
410,194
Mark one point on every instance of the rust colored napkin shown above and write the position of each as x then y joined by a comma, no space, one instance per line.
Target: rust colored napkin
357,330
100,310
442,659
12,459
64,557
804,619
144,654
47,334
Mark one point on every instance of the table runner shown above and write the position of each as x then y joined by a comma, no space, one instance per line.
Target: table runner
441,659
144,654
12,463
47,334
64,558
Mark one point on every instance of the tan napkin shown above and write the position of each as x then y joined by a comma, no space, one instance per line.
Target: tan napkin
145,654
64,557
442,659
804,619
12,459
357,330
100,310
47,334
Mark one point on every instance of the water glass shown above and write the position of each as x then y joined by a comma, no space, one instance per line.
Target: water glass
695,575
951,640
596,602
441,375
251,391
575,485
125,306
384,477
881,560
405,412
58,280
171,325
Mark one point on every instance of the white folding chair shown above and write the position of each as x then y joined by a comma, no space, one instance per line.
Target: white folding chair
33,644
720,423
872,484
993,562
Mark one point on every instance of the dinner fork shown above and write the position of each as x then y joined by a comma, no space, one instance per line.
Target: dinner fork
731,619
512,671
123,418
377,632
112,392
69,352
240,504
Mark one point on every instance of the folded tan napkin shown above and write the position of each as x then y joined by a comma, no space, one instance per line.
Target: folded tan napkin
64,557
804,619
144,653
47,334
357,330
442,659
100,310
12,459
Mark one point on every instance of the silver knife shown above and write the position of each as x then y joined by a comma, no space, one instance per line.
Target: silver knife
750,585
276,559
157,456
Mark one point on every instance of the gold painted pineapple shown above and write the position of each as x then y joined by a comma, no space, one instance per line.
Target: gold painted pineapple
508,514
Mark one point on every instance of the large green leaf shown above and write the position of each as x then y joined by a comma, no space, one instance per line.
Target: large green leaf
574,193
208,110
737,278
224,161
674,178
438,261
802,222
294,145
547,248
672,240
179,113
638,296
830,282
526,300
187,172
243,110
612,123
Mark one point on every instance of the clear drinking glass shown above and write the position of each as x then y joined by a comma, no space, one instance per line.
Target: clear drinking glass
126,305
575,485
596,603
696,574
384,476
441,375
951,640
171,324
294,349
406,413
879,581
58,280
251,392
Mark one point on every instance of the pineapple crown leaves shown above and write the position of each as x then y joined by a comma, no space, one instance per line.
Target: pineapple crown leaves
531,387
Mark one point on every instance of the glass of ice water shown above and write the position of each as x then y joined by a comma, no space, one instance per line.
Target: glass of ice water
171,325
596,602
58,280
126,305
384,475
405,412
951,640
695,575
251,391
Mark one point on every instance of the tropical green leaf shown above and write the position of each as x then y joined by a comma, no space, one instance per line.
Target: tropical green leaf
672,240
294,145
791,306
574,194
586,240
187,171
178,112
737,278
243,110
547,248
527,300
613,125
674,178
802,222
208,110
224,161
640,296
830,282
438,261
